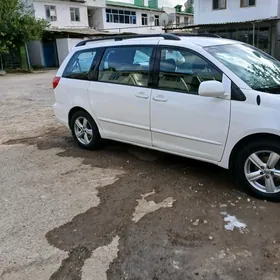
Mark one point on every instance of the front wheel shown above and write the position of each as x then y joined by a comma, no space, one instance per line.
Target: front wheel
257,168
85,130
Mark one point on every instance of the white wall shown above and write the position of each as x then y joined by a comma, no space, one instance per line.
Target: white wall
97,18
205,14
63,13
35,51
96,3
64,46
182,18
100,15
138,30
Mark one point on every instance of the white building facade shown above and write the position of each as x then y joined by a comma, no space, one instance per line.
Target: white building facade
121,18
255,22
72,21
108,15
221,11
62,14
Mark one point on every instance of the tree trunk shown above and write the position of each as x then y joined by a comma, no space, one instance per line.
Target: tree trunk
1,62
27,56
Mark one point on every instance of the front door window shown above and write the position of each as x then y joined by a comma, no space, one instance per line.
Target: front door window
182,70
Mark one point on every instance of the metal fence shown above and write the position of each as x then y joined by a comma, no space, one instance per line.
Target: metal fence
15,59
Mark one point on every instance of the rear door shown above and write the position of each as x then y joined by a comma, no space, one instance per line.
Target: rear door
181,120
120,98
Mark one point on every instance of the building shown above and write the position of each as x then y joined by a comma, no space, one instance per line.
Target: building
69,23
251,21
120,17
137,18
73,20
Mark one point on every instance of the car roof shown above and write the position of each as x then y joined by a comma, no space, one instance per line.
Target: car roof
192,40
207,41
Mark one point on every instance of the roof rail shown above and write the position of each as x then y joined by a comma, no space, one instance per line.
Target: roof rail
166,36
197,34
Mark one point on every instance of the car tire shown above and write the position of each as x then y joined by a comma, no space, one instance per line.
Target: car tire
85,130
257,168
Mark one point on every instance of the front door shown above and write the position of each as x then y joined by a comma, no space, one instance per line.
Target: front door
120,98
182,121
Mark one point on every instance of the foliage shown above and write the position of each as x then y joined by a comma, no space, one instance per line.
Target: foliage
18,25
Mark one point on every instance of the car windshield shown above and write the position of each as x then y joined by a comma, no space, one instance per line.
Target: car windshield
257,69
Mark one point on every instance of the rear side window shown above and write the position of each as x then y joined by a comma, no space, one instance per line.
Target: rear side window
126,65
80,65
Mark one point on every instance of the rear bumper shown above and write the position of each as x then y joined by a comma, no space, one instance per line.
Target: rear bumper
61,113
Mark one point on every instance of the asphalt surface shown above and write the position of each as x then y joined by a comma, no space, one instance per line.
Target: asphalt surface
121,212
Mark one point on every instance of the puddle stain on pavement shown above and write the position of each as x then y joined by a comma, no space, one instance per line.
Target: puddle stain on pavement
147,244
96,227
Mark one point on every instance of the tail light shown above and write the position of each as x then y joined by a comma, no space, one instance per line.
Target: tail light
55,82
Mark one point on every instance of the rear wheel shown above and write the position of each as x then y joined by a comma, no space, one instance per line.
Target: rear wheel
85,131
257,168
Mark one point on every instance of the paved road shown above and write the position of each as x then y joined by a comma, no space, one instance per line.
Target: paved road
121,212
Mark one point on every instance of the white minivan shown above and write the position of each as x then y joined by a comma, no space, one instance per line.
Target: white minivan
201,97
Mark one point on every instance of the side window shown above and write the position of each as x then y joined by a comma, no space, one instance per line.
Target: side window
182,70
126,65
79,65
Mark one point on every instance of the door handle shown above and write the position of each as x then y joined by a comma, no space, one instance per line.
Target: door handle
142,95
160,98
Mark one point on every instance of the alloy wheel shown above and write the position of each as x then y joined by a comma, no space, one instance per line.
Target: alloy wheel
262,171
83,130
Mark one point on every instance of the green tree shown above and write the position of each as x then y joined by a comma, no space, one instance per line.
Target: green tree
18,25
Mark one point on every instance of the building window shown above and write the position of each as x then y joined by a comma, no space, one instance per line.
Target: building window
219,4
120,16
177,20
144,19
247,3
75,14
156,20
186,20
51,13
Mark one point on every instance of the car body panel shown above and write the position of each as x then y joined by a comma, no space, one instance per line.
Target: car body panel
214,126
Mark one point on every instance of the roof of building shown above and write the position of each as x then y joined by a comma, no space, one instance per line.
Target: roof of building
223,23
131,5
184,13
79,31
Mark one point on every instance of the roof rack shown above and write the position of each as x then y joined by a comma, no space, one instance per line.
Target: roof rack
197,34
166,36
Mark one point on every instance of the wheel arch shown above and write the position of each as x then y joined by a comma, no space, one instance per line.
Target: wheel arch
73,111
247,139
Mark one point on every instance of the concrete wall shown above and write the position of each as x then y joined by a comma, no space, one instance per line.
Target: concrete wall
96,3
35,51
205,14
182,18
64,46
63,13
97,18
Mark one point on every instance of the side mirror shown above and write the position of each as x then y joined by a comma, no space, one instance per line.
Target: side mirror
211,89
